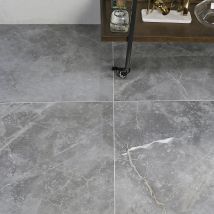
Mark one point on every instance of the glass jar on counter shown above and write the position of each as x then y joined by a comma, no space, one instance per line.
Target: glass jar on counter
119,17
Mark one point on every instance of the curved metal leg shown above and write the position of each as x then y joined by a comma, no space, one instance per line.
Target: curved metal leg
123,72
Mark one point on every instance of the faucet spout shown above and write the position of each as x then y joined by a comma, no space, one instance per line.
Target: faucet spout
185,7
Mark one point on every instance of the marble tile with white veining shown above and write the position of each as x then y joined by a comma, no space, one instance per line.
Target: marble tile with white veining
56,158
166,72
54,63
164,157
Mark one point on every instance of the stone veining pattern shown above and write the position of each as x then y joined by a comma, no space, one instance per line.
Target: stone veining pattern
166,72
74,139
164,157
55,158
54,63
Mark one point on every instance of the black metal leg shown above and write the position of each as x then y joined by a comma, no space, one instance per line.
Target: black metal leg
123,72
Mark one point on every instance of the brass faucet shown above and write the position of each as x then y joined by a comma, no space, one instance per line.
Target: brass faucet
166,5
185,7
162,5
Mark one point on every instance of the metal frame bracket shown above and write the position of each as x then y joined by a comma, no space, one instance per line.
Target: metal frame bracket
122,72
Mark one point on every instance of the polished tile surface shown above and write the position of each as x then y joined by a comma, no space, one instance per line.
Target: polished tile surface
56,158
66,145
166,72
164,157
54,63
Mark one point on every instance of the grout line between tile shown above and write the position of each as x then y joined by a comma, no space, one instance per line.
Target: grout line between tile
113,101
140,101
110,101
114,132
38,102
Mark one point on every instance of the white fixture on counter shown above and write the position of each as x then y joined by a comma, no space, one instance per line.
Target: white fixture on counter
173,17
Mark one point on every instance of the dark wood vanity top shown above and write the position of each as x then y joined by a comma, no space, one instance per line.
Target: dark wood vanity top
156,32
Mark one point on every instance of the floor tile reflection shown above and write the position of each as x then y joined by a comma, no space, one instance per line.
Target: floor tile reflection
165,161
56,158
54,63
166,72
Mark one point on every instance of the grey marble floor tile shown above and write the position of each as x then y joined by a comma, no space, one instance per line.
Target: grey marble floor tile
56,158
54,63
164,157
166,72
